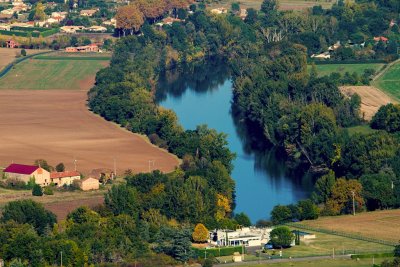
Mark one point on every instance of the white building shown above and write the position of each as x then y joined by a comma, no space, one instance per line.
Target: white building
247,236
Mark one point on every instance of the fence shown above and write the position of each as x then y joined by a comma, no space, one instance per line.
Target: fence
344,234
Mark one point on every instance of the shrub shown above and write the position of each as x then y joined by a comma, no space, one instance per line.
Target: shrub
23,52
48,191
37,190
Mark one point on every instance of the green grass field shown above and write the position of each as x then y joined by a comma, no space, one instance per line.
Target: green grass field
390,81
324,263
327,69
38,74
362,129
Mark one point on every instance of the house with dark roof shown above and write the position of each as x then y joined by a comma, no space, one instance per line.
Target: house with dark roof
24,173
64,178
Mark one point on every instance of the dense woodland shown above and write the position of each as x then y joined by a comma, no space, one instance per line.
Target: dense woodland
150,217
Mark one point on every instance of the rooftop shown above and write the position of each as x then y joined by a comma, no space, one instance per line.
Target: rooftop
21,169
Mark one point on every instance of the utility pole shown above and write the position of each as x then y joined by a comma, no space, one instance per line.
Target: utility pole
115,168
354,206
75,163
61,258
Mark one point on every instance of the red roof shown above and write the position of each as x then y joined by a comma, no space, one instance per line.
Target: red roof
21,169
64,174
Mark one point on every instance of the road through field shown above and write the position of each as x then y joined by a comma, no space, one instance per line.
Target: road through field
57,126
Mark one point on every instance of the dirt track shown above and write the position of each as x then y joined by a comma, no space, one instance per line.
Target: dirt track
57,126
371,98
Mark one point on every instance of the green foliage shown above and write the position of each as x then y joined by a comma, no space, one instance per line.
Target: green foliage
280,214
242,219
387,118
281,237
37,190
60,167
23,52
48,191
217,252
43,164
30,212
121,199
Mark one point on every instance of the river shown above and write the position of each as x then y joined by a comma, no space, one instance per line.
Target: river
202,94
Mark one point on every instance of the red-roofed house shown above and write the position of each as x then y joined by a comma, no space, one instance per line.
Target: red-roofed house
64,178
26,172
12,44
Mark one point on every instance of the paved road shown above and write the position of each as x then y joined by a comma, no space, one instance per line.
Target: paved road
264,262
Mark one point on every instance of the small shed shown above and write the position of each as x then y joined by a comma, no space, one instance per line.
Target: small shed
89,183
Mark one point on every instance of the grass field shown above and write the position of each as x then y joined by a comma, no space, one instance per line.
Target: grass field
37,74
326,69
382,225
8,55
390,81
283,4
361,129
324,263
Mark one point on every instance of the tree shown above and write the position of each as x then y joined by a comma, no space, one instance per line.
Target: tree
323,187
397,250
39,12
60,167
200,233
43,164
280,214
387,118
28,211
235,7
129,18
242,219
122,199
281,237
341,199
308,210
23,52
37,190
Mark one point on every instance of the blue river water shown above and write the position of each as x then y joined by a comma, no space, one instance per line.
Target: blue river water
203,96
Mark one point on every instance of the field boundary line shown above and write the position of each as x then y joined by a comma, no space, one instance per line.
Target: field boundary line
7,68
343,234
384,70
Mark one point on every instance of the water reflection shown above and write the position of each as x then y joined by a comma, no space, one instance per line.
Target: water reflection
201,94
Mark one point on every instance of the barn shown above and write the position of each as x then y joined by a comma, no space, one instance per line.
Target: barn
26,172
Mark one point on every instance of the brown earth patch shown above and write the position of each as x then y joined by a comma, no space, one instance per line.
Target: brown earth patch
57,126
371,98
383,225
62,208
7,55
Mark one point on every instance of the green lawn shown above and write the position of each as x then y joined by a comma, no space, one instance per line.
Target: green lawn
362,129
39,74
324,263
327,69
390,81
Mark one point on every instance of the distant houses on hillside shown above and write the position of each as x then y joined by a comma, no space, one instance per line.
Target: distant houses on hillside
42,177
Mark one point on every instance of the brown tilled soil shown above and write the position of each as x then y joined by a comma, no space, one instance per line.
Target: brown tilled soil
57,126
384,225
371,98
61,209
7,55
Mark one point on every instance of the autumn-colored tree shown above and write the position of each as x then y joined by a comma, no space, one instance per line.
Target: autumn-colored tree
341,199
223,207
200,233
174,5
129,18
39,12
152,9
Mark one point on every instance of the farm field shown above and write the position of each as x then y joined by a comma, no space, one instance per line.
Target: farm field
55,124
338,262
61,203
383,225
38,74
389,82
283,4
7,55
326,69
371,99
361,129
